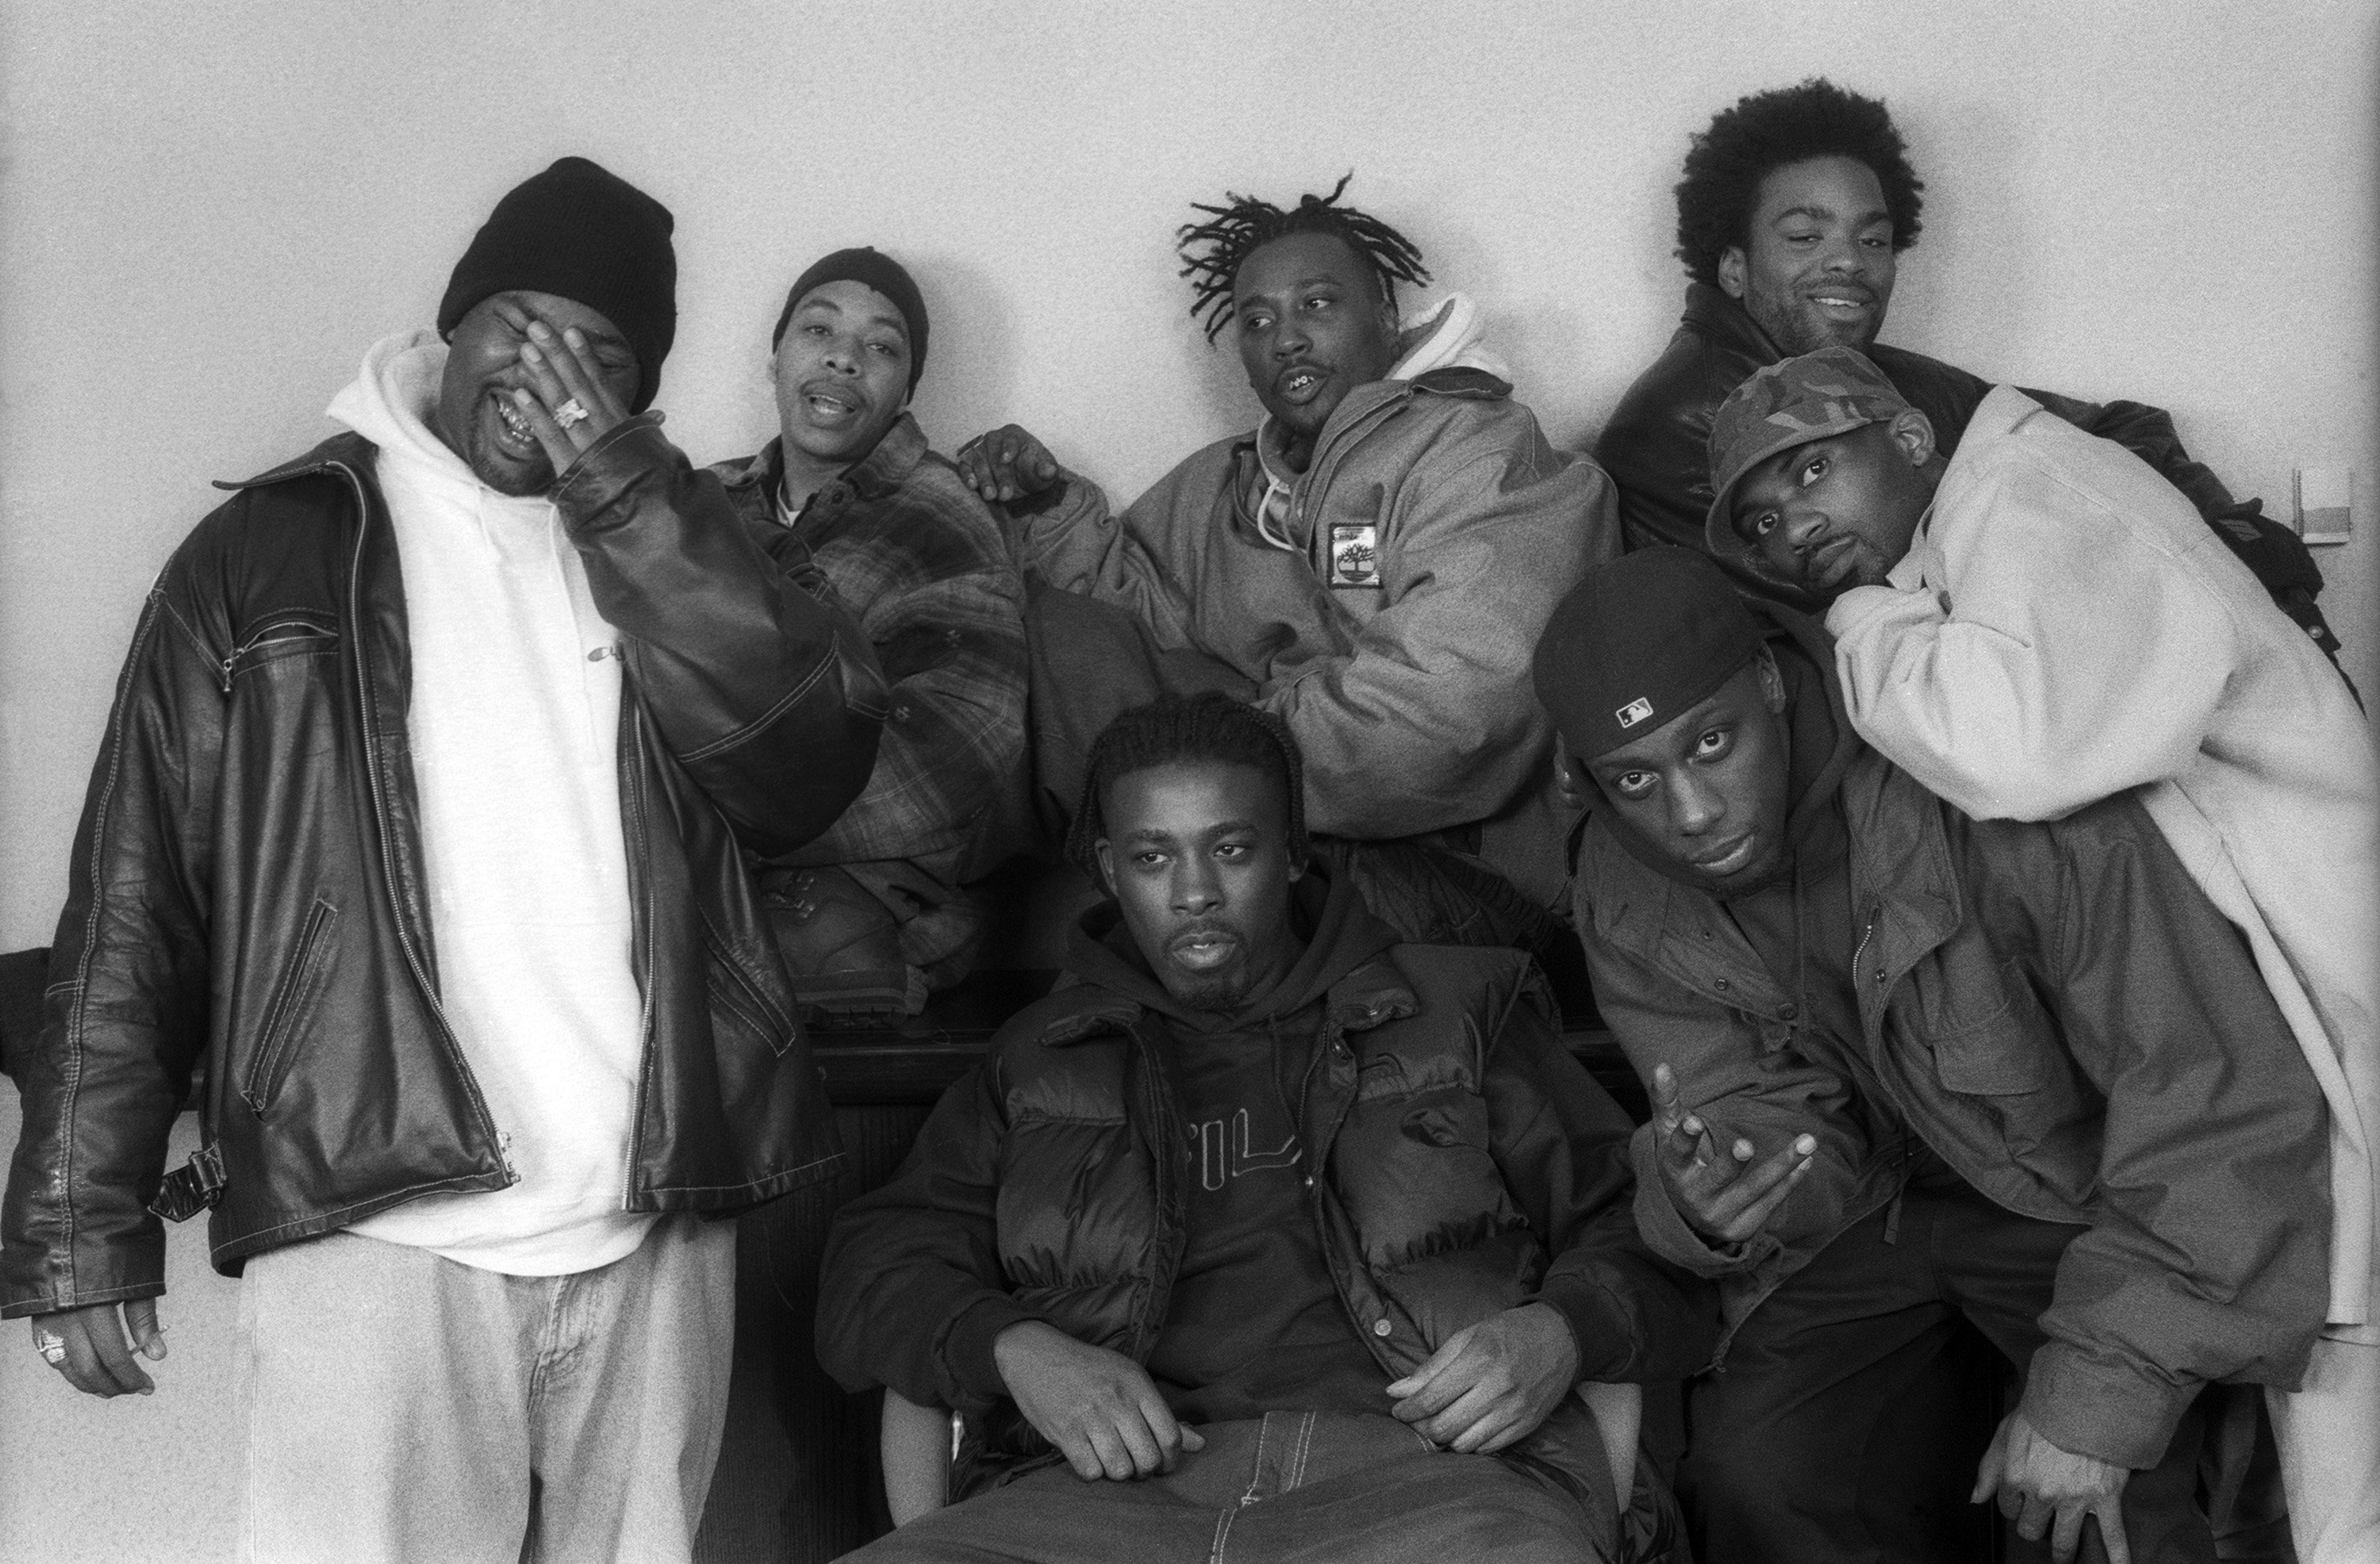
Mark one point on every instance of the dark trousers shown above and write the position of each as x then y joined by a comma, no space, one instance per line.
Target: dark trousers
1835,1432
1292,1488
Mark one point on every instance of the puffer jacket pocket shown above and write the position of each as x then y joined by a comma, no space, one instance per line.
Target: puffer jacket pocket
289,1011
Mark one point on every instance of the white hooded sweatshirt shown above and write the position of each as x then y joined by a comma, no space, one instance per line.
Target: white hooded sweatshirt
513,726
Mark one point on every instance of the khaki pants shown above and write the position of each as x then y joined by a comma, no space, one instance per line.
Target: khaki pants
392,1405
2329,1434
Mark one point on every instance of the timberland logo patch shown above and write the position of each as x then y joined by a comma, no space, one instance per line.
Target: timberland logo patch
1354,555
1635,712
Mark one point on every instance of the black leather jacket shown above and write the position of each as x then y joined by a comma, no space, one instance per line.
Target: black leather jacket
247,891
1657,449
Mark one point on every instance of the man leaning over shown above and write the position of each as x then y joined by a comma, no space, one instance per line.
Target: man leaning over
415,828
2039,623
1907,1066
1792,217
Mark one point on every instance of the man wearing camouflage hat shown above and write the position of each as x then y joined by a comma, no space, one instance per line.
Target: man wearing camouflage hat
2040,623
1907,1067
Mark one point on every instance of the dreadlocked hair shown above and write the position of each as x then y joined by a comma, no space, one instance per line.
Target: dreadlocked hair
1212,251
1175,728
1766,131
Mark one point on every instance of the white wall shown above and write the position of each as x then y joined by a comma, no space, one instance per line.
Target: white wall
207,208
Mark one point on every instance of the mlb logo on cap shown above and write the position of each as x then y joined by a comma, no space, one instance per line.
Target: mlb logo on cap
1635,712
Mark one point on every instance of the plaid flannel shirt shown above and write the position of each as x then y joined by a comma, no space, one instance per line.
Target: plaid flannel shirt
904,547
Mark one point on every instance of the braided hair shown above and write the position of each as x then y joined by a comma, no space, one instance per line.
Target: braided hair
1172,729
1213,252
1767,131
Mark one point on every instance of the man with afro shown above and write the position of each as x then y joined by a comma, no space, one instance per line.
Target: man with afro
1792,217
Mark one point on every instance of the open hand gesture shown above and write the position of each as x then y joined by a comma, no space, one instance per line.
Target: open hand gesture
2039,1483
1722,1192
1005,465
568,404
1097,1407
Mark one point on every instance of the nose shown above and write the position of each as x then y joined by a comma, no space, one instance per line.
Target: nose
1289,338
1805,527
1694,804
1197,888
842,355
1843,256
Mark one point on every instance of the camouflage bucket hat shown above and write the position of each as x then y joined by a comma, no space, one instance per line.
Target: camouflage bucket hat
1831,392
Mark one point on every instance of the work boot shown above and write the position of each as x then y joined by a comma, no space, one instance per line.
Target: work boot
842,949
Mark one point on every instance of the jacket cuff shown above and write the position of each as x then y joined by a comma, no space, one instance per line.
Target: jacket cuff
1600,1327
967,1346
2094,1407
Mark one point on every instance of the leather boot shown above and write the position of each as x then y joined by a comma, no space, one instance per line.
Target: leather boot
841,948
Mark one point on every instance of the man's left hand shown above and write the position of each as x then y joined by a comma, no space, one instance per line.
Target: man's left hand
565,388
2038,1483
1492,1383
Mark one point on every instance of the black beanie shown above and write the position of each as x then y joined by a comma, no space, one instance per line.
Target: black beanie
1637,642
582,233
871,269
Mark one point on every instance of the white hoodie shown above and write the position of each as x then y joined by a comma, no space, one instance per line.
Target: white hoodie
513,724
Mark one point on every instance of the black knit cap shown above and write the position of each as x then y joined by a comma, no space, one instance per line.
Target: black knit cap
873,269
1637,642
582,233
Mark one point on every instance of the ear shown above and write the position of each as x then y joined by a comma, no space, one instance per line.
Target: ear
1731,265
1106,855
1772,682
1913,434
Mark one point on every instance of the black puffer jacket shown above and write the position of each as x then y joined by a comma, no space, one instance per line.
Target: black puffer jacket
1657,449
1469,1166
248,881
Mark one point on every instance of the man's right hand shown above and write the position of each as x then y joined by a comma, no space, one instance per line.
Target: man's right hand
1723,1194
1097,1406
100,1344
1005,465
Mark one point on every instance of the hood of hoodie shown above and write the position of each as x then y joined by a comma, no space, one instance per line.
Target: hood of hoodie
1820,741
1341,935
390,403
1450,335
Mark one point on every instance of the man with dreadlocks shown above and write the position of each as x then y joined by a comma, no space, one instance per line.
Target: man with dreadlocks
1369,565
1796,206
1268,1206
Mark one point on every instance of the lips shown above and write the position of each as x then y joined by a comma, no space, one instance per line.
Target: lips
1203,947
1299,383
829,401
1833,560
1842,299
513,434
1729,856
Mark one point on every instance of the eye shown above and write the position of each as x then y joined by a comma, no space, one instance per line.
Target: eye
1256,320
1634,785
1233,850
1763,525
1147,858
886,349
1320,301
1814,468
1713,742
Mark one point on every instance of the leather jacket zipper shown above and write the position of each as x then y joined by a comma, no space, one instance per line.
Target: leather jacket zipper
279,1040
265,637
634,792
380,819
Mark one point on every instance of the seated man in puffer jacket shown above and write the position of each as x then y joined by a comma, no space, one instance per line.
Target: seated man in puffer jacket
1795,209
1269,1204
1370,564
1907,1066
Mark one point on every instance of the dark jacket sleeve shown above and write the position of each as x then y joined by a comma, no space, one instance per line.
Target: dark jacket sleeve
2208,1256
1562,1143
911,1294
771,700
125,1015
